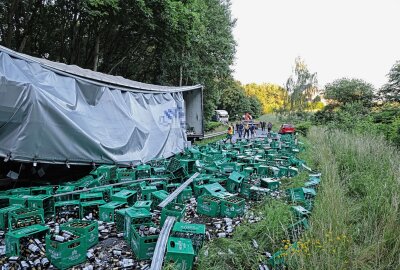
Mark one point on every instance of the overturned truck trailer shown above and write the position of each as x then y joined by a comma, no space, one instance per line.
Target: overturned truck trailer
56,113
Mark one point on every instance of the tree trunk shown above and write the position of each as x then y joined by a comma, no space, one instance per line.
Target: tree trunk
96,52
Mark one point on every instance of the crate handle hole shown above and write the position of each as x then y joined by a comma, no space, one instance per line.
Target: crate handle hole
172,244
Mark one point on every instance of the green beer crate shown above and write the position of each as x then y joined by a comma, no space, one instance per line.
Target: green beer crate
106,191
46,190
20,199
180,252
173,209
300,211
142,246
143,171
66,210
134,216
65,189
270,183
108,210
194,232
158,196
171,187
146,191
20,191
258,193
234,181
46,202
87,182
89,229
136,186
144,204
189,165
125,174
209,206
109,173
91,207
25,217
160,185
66,254
92,196
297,229
15,238
127,196
232,207
185,195
4,215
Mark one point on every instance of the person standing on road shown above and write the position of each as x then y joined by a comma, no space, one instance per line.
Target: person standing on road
269,127
247,131
237,127
240,130
252,130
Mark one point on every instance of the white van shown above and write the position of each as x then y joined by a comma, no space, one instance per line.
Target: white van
221,116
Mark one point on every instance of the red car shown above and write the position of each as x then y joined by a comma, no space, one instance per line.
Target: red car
287,128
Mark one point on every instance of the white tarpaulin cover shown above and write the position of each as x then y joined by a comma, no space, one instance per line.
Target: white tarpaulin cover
57,116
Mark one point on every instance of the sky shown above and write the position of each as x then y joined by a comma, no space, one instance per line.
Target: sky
336,38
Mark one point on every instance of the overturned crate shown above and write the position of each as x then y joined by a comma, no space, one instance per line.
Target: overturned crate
194,232
46,202
18,238
126,217
4,212
180,252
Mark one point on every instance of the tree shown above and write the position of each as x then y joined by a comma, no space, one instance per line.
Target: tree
343,91
271,96
301,86
234,99
391,90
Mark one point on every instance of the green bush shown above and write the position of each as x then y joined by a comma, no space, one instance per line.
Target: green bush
303,127
212,125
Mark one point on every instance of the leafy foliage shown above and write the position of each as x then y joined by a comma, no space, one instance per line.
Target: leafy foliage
391,90
301,86
271,96
346,91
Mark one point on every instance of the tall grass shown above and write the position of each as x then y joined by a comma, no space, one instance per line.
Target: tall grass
356,219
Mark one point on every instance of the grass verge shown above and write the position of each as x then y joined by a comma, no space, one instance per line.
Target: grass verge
356,219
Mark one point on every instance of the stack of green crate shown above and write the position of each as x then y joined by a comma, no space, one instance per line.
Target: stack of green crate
14,238
209,206
46,202
64,255
127,196
173,209
143,246
108,210
194,232
89,229
180,252
232,207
